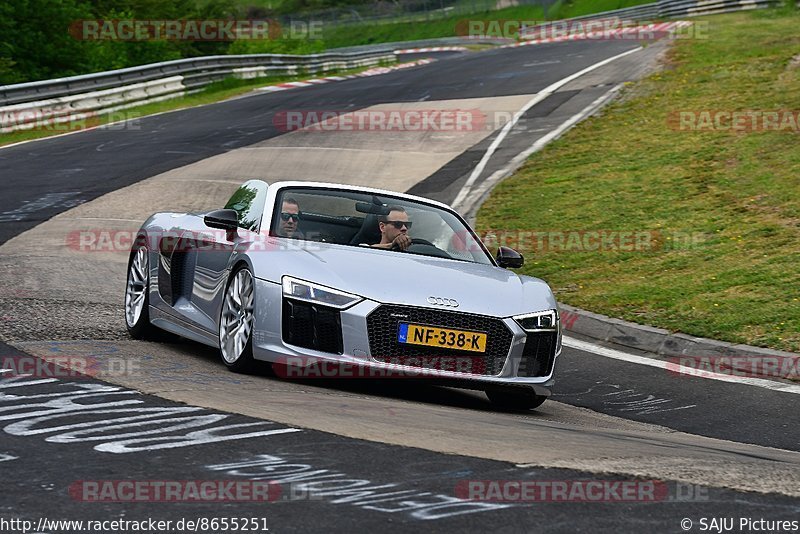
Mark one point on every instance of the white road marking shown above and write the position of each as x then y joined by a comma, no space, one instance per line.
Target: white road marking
98,127
519,159
141,427
544,93
6,370
338,488
678,370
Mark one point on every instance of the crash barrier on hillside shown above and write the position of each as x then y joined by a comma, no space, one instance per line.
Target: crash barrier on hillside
36,104
693,8
663,9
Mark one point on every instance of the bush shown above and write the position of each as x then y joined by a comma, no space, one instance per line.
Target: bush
35,42
283,45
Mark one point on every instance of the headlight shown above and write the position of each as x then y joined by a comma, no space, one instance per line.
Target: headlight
310,292
532,322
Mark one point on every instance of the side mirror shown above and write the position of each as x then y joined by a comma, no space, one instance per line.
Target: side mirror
509,258
224,219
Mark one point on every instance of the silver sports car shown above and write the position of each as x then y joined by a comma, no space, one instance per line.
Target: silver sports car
314,275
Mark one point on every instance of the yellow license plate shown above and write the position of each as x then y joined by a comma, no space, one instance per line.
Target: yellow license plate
432,336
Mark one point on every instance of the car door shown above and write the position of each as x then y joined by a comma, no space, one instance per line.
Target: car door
214,248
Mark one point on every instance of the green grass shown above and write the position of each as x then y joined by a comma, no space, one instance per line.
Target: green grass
736,194
215,92
339,36
350,35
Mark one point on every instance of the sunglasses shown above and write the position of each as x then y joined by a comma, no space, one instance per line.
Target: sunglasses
399,224
286,216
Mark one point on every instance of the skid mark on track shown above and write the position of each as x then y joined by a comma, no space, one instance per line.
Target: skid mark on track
629,400
50,200
642,403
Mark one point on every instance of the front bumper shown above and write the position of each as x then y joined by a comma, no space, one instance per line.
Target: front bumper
269,345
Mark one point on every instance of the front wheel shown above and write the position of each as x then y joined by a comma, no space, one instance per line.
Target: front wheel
137,298
236,322
514,399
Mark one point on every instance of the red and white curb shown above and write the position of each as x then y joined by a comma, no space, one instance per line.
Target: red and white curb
328,79
644,31
432,49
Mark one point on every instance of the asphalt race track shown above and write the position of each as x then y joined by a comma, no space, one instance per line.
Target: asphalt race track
341,455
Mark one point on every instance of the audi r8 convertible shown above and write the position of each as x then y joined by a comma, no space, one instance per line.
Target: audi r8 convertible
303,273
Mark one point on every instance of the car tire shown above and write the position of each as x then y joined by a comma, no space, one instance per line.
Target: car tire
236,322
515,399
137,293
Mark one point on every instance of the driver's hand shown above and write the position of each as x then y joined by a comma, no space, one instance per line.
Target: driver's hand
401,242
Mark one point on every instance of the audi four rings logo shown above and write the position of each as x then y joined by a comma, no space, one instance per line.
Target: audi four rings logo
439,301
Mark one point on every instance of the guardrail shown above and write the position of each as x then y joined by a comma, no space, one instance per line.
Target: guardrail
640,12
693,8
681,8
441,41
29,105
665,9
34,104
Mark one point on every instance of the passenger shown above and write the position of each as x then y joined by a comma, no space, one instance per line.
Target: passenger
289,218
394,227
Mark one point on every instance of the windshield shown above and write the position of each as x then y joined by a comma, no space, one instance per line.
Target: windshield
366,220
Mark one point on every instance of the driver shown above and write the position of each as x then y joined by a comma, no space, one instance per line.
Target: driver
394,227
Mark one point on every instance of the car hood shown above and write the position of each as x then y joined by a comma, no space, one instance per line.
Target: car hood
406,278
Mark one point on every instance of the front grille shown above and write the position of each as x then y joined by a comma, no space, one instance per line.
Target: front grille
383,324
538,355
312,326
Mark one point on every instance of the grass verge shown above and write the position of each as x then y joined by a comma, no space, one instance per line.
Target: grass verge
215,92
721,208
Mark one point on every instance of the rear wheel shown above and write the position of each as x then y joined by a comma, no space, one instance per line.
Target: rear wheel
236,322
515,399
137,298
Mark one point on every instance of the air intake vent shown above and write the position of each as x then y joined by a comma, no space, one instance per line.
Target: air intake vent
539,354
312,326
